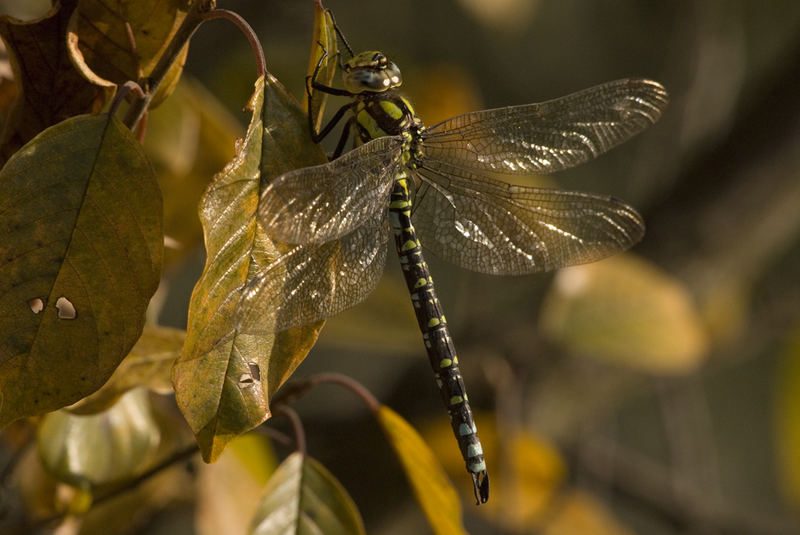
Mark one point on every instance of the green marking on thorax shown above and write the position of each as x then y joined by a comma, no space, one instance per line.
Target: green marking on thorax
391,109
370,125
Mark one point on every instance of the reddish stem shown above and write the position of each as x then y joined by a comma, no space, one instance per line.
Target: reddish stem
247,30
297,427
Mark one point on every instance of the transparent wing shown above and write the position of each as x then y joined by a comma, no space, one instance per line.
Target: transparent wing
323,203
550,136
493,227
315,281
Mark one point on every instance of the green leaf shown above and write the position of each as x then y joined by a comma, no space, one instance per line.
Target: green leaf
434,491
627,311
149,364
51,88
101,448
302,497
223,378
80,216
113,41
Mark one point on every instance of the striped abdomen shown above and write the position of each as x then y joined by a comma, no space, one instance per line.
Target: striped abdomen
439,345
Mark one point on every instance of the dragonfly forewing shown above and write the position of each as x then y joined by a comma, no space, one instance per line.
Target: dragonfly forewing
549,136
325,202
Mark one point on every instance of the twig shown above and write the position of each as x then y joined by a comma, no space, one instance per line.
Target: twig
296,389
127,87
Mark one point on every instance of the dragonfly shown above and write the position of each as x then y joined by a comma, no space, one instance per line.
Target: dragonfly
438,187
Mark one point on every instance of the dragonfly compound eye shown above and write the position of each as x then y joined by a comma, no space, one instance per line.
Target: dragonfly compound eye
370,76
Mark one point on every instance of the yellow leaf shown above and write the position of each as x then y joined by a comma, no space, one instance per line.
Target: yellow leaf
627,311
324,35
528,484
434,491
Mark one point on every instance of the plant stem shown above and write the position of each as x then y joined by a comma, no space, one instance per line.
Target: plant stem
297,389
297,427
247,30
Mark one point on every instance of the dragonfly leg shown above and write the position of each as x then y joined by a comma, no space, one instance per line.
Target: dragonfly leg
343,139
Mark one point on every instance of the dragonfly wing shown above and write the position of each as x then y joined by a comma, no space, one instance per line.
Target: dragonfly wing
493,227
325,202
312,282
549,136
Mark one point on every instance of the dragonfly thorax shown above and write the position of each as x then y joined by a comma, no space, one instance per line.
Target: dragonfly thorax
370,72
385,114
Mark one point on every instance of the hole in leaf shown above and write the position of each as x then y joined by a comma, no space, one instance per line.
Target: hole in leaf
246,381
66,310
36,304
255,371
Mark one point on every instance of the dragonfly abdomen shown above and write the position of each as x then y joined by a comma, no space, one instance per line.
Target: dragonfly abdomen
438,343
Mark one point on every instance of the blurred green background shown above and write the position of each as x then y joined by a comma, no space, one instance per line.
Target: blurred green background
667,381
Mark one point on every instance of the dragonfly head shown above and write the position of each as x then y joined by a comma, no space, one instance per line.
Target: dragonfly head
371,72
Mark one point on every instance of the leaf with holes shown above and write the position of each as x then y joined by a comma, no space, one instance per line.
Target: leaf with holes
433,489
80,216
51,88
224,378
113,41
302,497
